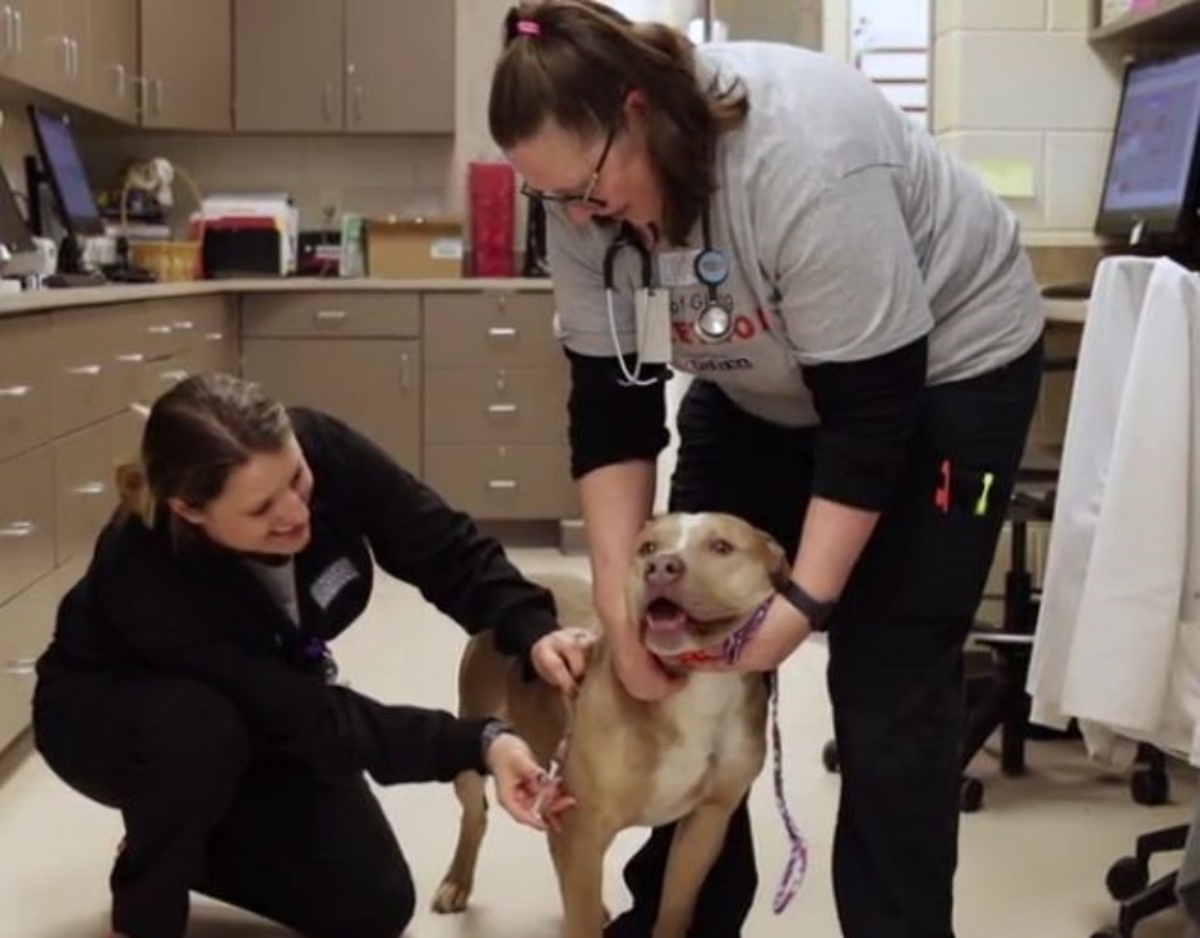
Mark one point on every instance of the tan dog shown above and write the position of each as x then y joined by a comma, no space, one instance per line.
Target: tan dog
696,580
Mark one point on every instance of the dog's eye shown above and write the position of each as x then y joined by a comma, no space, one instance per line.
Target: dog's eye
722,546
647,548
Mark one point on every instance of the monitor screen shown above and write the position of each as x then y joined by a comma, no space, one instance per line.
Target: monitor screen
14,230
1151,179
63,168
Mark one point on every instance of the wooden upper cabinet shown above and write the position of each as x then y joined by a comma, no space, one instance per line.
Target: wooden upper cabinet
110,81
187,64
37,47
400,66
288,65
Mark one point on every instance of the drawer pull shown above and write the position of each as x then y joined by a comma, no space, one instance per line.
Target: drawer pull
331,315
18,529
85,370
90,488
502,409
159,330
16,390
20,667
184,325
214,336
502,485
174,376
502,332
131,358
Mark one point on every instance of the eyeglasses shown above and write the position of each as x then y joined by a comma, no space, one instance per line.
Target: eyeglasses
584,198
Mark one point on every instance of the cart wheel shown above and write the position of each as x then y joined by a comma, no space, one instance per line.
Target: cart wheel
1149,787
1126,878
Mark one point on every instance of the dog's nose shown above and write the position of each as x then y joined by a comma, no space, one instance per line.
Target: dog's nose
664,568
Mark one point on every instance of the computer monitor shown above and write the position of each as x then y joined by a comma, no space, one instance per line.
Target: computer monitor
14,230
1150,188
62,167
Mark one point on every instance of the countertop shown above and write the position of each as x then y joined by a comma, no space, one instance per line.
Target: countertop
62,298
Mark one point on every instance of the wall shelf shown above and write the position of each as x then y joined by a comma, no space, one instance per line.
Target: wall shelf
1170,23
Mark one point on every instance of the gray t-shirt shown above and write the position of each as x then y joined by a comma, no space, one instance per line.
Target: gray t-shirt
850,232
280,581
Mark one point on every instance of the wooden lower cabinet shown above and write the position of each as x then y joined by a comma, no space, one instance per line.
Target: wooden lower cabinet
372,384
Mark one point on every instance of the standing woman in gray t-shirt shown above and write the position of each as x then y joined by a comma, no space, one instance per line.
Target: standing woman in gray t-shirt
864,333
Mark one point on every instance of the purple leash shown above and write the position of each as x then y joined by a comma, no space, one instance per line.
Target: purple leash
797,863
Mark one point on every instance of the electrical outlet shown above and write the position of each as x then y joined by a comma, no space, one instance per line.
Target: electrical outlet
331,207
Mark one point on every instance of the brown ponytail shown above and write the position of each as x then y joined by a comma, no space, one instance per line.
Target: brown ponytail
576,70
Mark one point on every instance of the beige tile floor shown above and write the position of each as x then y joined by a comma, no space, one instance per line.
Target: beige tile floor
1033,861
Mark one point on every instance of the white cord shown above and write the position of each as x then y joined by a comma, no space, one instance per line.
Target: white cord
635,379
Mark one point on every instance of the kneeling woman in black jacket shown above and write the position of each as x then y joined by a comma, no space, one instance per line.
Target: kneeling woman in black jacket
189,683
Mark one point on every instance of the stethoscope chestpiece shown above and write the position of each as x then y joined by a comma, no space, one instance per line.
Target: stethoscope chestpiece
713,324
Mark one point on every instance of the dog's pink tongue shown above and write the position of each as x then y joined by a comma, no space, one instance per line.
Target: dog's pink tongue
667,624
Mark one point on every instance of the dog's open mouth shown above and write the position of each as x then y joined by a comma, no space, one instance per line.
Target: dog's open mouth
666,619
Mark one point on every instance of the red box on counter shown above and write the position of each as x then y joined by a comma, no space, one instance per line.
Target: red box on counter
490,191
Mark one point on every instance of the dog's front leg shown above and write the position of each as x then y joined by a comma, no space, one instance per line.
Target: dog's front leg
578,851
694,849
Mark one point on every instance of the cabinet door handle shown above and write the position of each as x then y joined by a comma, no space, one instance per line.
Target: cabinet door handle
502,332
10,33
158,96
404,369
88,370
141,83
20,667
122,81
20,20
502,485
330,315
18,529
90,488
16,390
74,59
499,409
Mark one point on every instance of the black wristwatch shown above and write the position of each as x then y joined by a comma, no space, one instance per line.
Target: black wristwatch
491,730
816,611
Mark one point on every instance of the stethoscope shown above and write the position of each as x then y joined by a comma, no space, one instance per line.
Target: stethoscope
712,324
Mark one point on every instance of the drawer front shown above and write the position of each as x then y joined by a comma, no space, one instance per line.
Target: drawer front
85,465
25,384
160,375
213,344
166,328
26,627
98,354
26,521
501,405
521,481
331,314
490,329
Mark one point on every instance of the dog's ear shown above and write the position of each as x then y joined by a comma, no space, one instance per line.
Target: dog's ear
781,570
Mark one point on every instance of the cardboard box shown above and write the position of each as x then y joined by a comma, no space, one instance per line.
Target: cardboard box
414,248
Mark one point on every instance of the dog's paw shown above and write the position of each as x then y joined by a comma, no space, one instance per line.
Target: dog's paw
451,898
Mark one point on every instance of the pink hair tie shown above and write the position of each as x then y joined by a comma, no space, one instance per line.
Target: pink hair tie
528,28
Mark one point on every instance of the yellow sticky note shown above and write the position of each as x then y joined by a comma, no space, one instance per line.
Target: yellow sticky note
1009,179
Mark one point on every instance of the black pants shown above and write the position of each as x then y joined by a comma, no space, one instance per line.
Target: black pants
896,643
205,811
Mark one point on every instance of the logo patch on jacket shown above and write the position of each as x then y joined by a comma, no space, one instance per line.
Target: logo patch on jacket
331,581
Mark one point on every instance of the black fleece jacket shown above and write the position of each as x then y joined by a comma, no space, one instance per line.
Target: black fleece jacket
198,611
